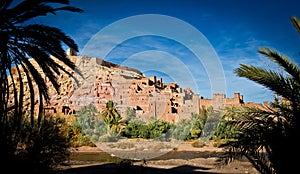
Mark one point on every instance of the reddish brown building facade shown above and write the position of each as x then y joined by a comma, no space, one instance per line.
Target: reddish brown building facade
102,81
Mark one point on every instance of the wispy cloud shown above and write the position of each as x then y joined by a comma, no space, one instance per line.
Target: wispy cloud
232,54
163,62
85,32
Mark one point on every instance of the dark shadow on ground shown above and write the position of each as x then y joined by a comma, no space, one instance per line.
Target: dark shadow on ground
113,168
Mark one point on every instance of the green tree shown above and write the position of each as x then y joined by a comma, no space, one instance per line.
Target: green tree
20,43
88,121
136,128
210,123
225,131
181,130
158,128
269,137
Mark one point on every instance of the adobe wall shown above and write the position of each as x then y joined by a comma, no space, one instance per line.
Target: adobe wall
149,97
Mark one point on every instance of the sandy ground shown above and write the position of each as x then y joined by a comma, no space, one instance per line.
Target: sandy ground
183,159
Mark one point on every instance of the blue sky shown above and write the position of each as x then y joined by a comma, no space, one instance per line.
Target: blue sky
232,31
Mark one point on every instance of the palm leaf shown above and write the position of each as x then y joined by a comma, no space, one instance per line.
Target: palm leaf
272,80
21,95
4,4
283,61
296,23
30,9
34,34
31,90
37,77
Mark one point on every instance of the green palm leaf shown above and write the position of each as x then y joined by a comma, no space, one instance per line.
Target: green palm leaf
283,61
284,86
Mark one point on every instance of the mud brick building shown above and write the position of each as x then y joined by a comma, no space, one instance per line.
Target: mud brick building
102,81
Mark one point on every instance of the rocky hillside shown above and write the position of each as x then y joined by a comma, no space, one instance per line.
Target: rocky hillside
71,94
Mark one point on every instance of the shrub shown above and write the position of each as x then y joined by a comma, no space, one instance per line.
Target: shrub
38,149
108,138
198,143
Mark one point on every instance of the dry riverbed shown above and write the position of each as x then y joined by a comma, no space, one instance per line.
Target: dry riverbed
184,158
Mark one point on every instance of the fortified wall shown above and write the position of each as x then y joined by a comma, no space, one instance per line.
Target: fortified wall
220,101
102,81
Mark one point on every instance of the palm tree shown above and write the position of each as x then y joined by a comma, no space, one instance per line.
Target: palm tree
268,137
23,47
112,118
20,41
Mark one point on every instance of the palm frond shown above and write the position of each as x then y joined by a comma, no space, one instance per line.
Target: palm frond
283,61
295,21
21,94
69,8
42,60
35,34
30,9
31,90
270,79
254,137
4,4
15,94
42,87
